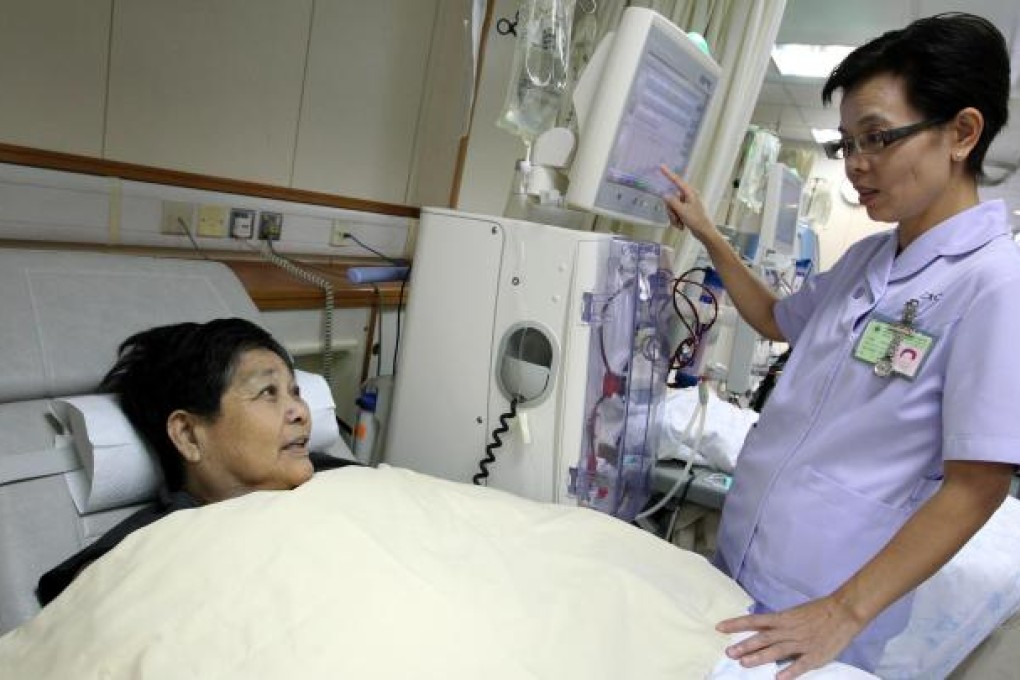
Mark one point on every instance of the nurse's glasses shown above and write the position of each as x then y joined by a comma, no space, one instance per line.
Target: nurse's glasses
873,142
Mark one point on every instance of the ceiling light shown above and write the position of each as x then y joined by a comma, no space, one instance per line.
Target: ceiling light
809,61
822,135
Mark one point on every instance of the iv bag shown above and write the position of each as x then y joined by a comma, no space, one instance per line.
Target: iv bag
538,79
762,150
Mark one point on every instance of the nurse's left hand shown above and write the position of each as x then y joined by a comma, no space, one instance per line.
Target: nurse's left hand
810,636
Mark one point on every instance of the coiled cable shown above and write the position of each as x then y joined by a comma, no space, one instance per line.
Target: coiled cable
292,268
490,456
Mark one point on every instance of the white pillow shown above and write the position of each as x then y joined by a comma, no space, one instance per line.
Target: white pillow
316,393
119,468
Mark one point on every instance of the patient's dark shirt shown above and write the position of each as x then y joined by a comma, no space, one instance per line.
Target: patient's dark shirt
53,582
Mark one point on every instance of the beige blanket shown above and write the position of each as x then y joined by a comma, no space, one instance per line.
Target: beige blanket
383,573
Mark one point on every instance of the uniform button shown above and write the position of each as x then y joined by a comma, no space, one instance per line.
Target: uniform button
859,293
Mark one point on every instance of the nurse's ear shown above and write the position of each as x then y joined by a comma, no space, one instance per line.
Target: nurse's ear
182,428
966,128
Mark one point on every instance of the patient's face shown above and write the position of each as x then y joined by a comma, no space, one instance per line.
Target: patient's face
260,439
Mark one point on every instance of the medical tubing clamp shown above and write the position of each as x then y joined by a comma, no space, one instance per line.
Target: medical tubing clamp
490,457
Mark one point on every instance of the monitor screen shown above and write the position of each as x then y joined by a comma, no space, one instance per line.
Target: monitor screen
780,212
647,111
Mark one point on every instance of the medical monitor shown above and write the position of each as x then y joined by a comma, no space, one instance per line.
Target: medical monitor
641,104
779,213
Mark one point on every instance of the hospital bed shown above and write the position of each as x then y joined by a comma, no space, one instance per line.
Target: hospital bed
392,575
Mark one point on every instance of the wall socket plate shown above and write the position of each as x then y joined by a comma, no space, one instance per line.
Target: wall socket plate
339,235
270,226
212,221
242,223
178,218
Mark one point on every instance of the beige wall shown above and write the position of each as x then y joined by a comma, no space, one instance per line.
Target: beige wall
324,95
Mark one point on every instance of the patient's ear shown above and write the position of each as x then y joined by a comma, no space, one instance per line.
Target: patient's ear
180,427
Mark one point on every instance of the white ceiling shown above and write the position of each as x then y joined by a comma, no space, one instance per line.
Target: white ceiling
792,106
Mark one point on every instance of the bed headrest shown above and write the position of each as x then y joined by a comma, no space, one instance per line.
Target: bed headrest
65,313
119,468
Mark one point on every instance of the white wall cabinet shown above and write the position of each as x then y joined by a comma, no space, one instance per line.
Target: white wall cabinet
363,90
325,95
208,87
53,64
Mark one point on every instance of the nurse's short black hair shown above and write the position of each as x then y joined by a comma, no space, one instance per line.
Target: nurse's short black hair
948,62
184,366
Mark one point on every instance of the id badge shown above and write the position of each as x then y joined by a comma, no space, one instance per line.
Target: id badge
911,346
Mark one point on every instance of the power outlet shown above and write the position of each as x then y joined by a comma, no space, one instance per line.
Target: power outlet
242,223
339,235
270,226
212,221
178,218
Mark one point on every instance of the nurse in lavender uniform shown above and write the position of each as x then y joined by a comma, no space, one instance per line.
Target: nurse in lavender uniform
893,433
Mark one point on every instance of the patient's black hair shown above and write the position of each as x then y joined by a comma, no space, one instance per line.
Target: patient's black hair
947,62
184,366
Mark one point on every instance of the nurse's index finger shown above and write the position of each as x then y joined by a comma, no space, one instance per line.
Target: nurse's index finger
673,177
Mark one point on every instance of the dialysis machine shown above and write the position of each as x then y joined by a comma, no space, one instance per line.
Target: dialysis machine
533,358
508,326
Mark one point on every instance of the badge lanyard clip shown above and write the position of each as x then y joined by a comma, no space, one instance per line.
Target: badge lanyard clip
884,366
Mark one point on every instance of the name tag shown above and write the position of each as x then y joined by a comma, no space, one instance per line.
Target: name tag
910,347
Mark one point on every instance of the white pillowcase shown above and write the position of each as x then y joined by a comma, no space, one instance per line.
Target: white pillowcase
118,467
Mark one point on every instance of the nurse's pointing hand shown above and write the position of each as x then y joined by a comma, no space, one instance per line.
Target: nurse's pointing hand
685,208
810,635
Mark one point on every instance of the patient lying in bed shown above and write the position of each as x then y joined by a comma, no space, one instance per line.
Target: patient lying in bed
219,404
365,573
391,574
361,573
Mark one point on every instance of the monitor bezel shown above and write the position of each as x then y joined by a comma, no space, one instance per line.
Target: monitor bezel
642,32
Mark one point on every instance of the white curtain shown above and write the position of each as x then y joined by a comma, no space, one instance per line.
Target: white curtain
740,35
